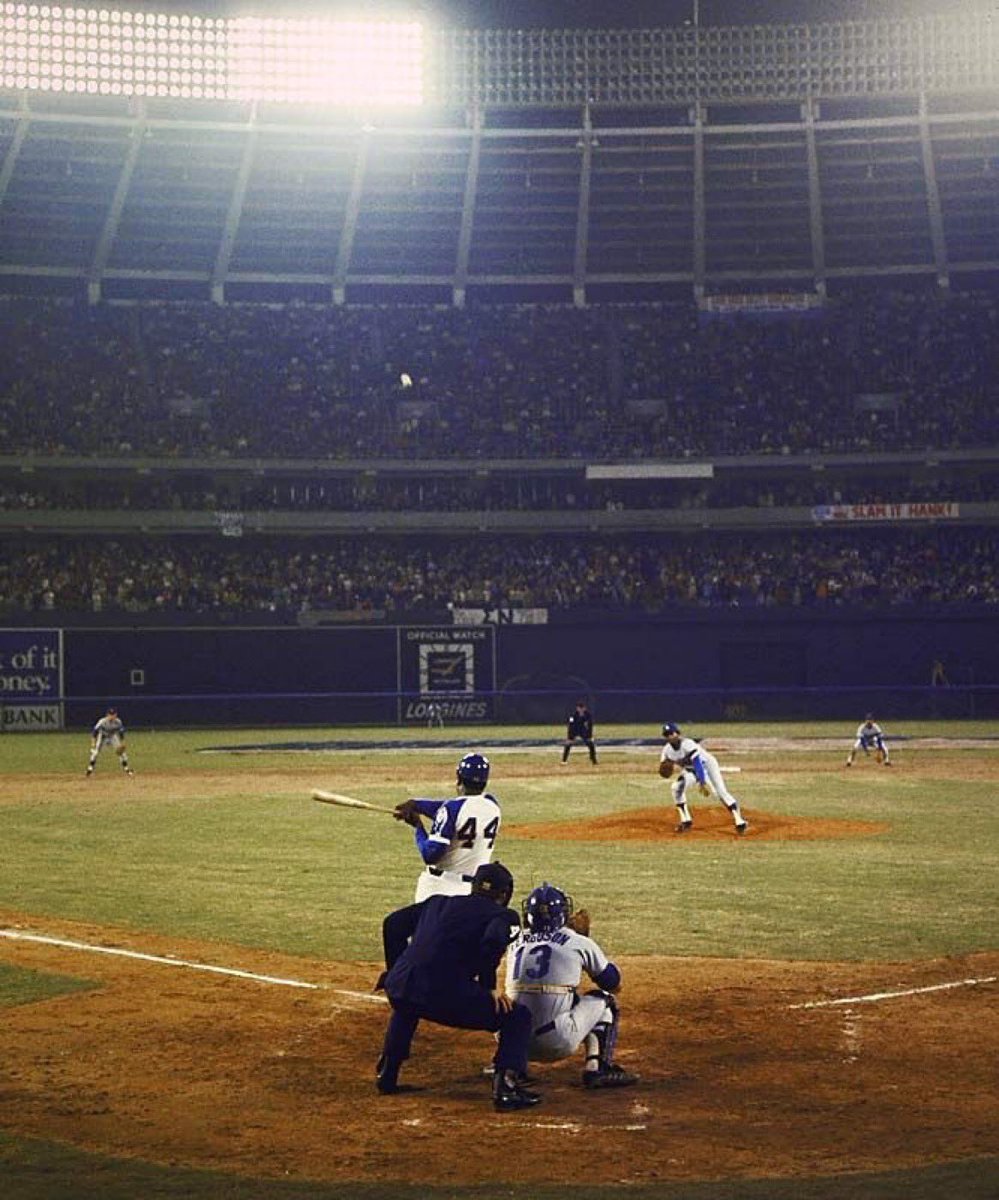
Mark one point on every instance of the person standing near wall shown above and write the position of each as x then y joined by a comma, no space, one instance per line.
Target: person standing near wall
870,737
579,729
108,731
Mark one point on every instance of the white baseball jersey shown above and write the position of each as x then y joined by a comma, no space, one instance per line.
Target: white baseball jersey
468,827
685,755
700,764
869,734
543,971
109,729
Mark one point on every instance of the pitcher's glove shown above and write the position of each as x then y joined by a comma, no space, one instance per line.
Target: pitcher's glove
408,812
580,922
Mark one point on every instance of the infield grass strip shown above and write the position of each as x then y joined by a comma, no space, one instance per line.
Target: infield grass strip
20,986
36,1170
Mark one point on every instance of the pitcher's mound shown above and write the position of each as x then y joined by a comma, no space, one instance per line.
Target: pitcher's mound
659,825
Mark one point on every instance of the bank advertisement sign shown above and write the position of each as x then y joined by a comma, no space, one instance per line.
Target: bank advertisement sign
453,669
30,679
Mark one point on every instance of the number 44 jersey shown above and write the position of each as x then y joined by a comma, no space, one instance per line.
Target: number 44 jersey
468,826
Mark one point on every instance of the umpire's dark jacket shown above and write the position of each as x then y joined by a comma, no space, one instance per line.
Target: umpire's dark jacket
454,940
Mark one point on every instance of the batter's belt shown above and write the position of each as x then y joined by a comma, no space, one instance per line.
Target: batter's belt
438,871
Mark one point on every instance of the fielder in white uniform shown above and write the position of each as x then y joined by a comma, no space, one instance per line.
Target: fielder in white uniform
544,968
462,834
698,767
870,737
109,731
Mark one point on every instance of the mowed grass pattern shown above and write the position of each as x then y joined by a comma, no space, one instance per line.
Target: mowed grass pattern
230,848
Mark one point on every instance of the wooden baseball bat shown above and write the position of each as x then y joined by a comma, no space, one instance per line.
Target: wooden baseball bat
342,801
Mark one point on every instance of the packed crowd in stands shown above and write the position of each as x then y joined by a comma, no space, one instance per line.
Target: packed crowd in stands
613,382
291,578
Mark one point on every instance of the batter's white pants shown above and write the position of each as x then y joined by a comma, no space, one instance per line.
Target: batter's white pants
435,882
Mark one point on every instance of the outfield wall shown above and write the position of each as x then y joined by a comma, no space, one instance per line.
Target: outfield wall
702,664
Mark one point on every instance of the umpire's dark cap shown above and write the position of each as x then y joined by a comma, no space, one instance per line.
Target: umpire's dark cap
493,879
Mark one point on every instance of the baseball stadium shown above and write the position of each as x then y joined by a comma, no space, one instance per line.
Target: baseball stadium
499,512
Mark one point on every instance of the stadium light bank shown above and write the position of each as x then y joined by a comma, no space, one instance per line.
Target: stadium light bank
370,63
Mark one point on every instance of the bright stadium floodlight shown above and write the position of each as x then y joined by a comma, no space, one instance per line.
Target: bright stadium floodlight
361,64
353,63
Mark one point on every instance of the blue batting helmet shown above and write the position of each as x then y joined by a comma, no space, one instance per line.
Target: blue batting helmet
669,729
473,770
547,908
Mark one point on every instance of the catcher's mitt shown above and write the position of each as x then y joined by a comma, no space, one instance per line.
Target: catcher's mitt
408,812
580,922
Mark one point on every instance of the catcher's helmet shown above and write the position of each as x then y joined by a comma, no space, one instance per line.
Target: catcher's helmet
493,880
473,770
669,729
547,908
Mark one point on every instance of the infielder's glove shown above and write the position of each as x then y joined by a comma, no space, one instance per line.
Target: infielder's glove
408,812
580,922
665,769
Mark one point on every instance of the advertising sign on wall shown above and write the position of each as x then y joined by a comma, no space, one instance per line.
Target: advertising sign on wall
31,679
453,668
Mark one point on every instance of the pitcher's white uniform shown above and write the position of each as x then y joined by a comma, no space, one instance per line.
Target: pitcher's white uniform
467,827
543,971
697,765
689,755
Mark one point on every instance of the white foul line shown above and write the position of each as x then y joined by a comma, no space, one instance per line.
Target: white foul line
875,996
180,962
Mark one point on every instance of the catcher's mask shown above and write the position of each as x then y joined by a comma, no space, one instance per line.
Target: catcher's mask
546,909
473,771
493,880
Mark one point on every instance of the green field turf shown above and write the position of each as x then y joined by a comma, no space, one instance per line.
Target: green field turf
228,847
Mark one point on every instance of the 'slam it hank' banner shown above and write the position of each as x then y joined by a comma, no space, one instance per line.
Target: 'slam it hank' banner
31,665
908,510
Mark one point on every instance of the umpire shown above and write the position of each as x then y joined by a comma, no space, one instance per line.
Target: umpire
441,957
579,729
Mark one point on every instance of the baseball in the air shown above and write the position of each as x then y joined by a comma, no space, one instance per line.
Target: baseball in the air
406,380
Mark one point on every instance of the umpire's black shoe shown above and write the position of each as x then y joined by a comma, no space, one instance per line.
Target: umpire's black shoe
509,1093
387,1077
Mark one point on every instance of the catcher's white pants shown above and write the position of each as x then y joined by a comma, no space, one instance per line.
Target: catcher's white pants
570,1029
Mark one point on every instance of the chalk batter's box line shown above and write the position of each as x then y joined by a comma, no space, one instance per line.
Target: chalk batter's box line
874,997
163,960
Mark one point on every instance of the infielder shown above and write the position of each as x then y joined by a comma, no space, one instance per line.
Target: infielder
697,766
462,834
870,737
109,731
544,968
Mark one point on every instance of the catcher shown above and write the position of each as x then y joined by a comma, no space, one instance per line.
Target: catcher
544,968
